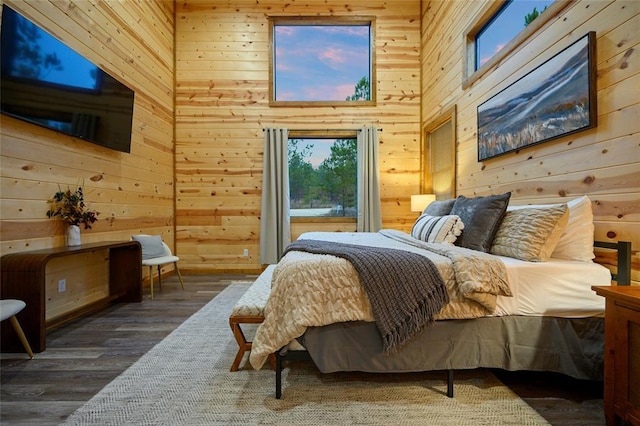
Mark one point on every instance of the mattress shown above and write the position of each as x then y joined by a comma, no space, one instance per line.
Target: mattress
557,288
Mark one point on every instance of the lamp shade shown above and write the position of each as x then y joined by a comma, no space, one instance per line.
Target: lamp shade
420,201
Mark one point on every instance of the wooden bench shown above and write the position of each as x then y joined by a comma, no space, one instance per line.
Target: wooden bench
250,310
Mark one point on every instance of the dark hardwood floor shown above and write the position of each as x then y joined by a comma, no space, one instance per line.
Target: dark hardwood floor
85,355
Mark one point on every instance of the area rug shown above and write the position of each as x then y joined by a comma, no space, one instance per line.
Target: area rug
185,380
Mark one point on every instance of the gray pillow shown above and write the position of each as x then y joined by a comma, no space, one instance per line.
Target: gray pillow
439,208
481,217
151,245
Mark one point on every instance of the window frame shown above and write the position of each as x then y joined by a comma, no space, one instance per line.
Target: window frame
322,134
327,21
486,15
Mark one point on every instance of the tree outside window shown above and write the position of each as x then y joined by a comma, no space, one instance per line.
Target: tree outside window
328,187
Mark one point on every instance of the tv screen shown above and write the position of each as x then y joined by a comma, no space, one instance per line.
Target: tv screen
46,83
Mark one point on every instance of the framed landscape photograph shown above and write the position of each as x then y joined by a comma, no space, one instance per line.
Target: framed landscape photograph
556,99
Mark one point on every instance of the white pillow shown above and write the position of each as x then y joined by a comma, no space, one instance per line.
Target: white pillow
576,241
437,229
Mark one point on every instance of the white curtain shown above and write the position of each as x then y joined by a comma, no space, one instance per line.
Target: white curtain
275,230
369,216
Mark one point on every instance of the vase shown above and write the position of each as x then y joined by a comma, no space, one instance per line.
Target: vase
73,235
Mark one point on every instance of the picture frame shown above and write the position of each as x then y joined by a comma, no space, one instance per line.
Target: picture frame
556,99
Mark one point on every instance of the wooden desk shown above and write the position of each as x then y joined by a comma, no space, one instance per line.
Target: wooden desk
24,278
622,354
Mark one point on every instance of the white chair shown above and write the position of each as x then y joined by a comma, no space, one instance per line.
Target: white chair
156,252
9,308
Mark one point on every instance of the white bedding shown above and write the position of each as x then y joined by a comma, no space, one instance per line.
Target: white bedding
558,288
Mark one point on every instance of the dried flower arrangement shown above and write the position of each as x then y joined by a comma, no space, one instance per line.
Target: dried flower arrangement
71,208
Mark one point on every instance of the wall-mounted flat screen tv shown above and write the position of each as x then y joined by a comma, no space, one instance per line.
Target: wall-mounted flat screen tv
46,83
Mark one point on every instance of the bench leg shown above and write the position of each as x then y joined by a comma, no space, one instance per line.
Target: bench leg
272,361
243,345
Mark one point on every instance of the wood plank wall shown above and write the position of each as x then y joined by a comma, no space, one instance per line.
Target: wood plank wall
603,163
134,193
222,80
221,105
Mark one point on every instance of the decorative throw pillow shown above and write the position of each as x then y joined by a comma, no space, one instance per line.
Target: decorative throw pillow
481,217
151,245
530,234
576,240
437,229
439,208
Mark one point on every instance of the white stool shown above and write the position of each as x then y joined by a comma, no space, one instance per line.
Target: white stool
8,309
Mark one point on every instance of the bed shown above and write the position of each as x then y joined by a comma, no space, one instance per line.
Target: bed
502,311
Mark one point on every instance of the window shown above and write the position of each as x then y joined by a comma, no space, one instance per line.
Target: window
322,177
507,23
439,156
501,28
320,61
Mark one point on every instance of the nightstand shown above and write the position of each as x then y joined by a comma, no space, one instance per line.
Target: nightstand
622,354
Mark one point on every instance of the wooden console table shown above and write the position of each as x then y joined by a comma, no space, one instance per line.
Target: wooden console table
24,278
621,354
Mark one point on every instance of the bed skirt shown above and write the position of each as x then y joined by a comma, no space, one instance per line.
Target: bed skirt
574,347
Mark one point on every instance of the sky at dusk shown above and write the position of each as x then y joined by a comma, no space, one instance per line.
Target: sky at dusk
506,26
320,63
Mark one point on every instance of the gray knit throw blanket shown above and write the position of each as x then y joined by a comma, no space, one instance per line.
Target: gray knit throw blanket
405,289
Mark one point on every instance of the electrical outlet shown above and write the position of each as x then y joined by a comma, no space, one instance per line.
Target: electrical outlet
62,285
245,252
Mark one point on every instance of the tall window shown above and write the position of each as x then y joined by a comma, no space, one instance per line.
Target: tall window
318,61
439,156
322,177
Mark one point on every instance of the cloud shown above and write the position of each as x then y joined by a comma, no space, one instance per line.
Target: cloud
332,56
342,91
355,30
498,48
326,92
285,31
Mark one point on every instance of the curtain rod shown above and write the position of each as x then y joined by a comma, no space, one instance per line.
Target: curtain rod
324,130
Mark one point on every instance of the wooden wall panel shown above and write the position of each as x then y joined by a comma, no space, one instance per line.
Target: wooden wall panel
222,72
134,42
603,163
209,191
